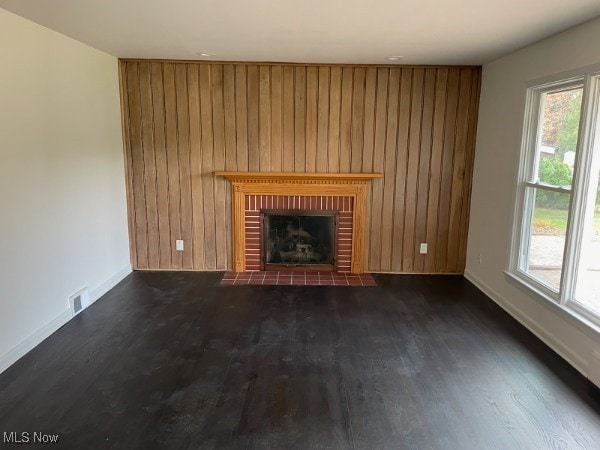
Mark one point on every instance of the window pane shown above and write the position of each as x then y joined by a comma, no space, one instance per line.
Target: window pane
587,288
549,218
556,147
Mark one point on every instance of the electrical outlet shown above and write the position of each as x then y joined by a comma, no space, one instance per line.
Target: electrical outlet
179,245
423,249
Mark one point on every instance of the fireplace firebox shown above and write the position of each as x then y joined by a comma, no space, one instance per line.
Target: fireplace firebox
298,239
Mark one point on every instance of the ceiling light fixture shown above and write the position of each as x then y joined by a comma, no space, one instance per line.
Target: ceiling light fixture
394,58
205,54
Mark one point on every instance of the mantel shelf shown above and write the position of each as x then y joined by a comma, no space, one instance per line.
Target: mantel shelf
298,176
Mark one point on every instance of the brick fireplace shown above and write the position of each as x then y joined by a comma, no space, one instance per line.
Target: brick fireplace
255,192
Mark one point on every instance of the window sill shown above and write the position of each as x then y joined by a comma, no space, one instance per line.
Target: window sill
579,321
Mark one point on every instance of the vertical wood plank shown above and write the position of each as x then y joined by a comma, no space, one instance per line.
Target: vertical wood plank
459,162
220,185
389,170
323,119
312,87
435,166
414,150
241,117
369,119
208,201
198,256
264,117
358,111
443,210
300,119
289,109
346,119
172,162
230,147
376,211
253,124
137,163
424,164
401,170
230,120
149,166
125,124
183,153
276,119
162,174
335,102
468,178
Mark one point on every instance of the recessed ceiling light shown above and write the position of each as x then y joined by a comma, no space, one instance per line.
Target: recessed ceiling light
394,58
205,54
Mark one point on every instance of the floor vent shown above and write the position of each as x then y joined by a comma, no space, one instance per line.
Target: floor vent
79,301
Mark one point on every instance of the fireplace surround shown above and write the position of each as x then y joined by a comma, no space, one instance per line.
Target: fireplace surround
256,191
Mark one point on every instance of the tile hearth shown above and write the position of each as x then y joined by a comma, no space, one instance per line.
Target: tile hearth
297,278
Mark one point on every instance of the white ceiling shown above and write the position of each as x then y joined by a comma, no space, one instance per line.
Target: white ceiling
319,31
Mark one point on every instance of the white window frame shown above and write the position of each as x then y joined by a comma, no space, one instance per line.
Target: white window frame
585,162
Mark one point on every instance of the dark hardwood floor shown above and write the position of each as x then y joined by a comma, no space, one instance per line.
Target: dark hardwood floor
173,360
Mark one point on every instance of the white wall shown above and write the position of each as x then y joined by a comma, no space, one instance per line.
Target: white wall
62,186
496,165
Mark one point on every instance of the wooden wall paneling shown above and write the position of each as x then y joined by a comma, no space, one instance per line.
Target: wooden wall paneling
376,209
149,165
389,172
412,170
299,119
424,164
229,117
276,119
357,119
160,158
369,119
435,166
184,121
218,122
312,89
323,119
170,98
346,119
124,87
253,119
230,145
399,207
289,109
264,117
458,169
335,102
369,138
443,210
183,153
137,162
470,157
208,201
198,255
241,117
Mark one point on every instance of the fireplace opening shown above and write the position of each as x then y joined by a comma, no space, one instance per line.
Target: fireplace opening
298,239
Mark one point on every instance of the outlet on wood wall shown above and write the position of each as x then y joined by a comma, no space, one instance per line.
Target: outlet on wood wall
184,120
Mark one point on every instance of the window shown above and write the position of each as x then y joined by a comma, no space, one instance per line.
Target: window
556,240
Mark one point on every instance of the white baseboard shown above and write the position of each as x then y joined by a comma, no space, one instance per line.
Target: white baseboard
577,361
32,341
20,350
110,283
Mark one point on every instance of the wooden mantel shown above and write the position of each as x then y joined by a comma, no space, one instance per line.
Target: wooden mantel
294,183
